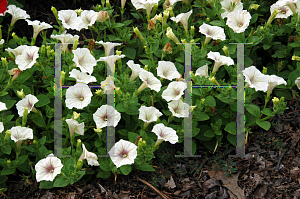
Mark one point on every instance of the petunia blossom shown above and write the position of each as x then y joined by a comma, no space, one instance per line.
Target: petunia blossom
1,41
202,71
220,60
285,11
78,96
238,21
273,82
108,46
212,32
183,18
136,69
21,133
64,39
75,127
88,18
167,70
178,108
174,90
110,60
28,101
106,115
108,85
28,57
164,134
123,153
84,60
144,4
48,168
3,106
297,82
255,79
82,77
1,127
91,158
17,51
37,26
149,114
70,20
16,13
149,81
230,6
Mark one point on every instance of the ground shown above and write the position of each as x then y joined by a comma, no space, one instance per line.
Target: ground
266,172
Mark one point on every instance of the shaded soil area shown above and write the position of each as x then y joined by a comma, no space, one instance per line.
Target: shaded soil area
270,168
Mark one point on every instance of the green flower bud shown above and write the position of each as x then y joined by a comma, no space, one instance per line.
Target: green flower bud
265,70
8,162
24,119
16,38
146,68
275,102
7,134
155,6
98,92
43,49
138,33
225,50
118,90
254,6
79,164
75,44
213,80
4,61
108,4
53,9
272,17
78,146
78,11
21,94
203,101
207,20
261,29
295,58
75,115
34,142
118,52
192,31
98,130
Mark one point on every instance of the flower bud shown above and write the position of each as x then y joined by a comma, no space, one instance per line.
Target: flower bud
15,72
171,35
295,58
138,33
78,145
254,6
21,94
62,75
24,119
261,29
192,31
75,115
75,44
146,68
7,134
225,50
98,92
203,101
34,142
275,102
103,2
78,11
8,162
43,50
155,6
207,20
118,52
118,90
168,48
53,9
4,61
272,17
170,10
97,8
265,70
15,37
191,109
79,164
123,3
108,4
159,17
183,41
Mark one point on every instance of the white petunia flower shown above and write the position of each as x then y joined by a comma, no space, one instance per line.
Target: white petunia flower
285,11
110,60
149,81
230,6
75,127
255,79
91,158
48,168
220,60
165,133
212,32
78,96
136,69
183,18
65,38
28,57
144,4
28,101
84,60
297,82
1,127
167,70
17,51
106,115
1,41
108,85
3,106
149,114
108,46
178,108
202,71
123,153
239,20
174,90
293,5
273,82
38,26
70,20
88,18
17,13
21,133
169,3
82,77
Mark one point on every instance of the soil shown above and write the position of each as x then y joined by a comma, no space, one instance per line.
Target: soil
265,172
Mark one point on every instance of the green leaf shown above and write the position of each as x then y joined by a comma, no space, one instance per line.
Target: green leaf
231,128
121,108
253,18
268,112
217,23
9,103
61,182
132,110
7,119
14,2
7,171
129,52
105,166
43,100
283,93
232,139
135,15
22,159
201,116
209,133
117,25
132,136
125,169
3,179
46,184
103,174
263,124
145,167
253,109
210,101
26,74
38,120
146,62
295,44
113,38
3,94
266,46
6,149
